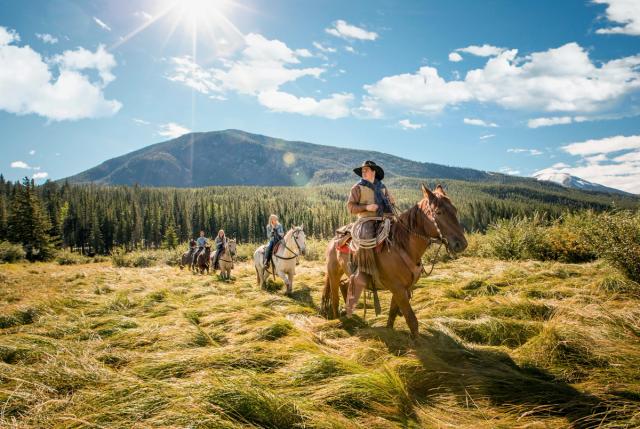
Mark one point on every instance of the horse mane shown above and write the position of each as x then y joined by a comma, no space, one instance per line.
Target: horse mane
408,221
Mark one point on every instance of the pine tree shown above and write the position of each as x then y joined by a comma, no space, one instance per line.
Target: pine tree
28,224
170,237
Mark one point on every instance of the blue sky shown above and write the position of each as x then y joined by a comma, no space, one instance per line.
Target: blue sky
518,87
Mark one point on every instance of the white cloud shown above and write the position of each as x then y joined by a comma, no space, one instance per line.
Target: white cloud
487,136
172,130
408,125
350,49
593,164
261,68
304,53
8,36
141,121
455,57
334,107
32,152
605,145
626,12
28,85
347,31
101,24
479,123
482,51
20,164
264,65
82,59
547,122
322,48
47,38
40,175
424,91
533,152
556,80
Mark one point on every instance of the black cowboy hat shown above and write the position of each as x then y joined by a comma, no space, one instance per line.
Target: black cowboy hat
372,165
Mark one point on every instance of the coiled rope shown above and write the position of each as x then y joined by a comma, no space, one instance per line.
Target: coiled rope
368,243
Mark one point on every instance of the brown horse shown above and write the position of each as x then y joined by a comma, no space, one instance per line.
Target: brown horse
434,217
202,263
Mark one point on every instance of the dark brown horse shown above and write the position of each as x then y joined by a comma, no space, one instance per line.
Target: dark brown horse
434,217
202,263
187,258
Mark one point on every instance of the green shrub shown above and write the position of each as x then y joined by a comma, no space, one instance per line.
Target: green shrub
119,258
616,238
65,257
514,238
10,252
138,258
564,240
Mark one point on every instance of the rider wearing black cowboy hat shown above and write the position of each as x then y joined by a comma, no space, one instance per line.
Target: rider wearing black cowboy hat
369,198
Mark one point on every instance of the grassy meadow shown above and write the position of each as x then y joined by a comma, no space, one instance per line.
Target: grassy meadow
504,344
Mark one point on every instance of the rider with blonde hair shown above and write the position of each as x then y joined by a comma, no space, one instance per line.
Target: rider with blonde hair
219,245
275,233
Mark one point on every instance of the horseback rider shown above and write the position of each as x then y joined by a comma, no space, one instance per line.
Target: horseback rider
219,245
275,233
192,246
369,198
201,242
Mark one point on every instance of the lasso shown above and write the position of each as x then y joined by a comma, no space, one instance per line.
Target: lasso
368,243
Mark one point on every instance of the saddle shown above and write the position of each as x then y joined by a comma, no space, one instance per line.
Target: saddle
343,238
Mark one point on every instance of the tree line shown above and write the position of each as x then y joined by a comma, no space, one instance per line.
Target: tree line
95,219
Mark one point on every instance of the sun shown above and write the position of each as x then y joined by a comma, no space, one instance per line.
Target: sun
206,20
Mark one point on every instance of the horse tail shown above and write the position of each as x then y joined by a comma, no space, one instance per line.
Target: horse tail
325,306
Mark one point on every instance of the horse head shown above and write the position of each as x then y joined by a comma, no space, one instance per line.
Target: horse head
297,233
231,245
439,209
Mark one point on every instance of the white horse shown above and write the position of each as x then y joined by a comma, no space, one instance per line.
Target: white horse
284,259
226,259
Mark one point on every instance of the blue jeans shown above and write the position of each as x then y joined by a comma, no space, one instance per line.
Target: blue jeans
269,250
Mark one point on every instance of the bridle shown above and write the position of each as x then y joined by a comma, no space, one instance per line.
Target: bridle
295,234
428,212
226,245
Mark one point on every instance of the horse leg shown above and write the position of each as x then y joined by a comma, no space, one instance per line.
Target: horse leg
393,313
359,282
334,284
402,301
290,282
284,276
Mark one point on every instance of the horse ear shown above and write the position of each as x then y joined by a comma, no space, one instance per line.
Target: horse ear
440,189
426,193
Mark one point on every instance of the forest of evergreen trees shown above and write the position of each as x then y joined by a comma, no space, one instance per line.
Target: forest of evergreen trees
95,219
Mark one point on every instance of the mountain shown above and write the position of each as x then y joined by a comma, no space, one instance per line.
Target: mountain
234,157
568,181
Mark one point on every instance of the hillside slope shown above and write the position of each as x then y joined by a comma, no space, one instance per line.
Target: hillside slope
234,157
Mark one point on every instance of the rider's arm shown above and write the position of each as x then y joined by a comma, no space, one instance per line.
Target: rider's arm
353,203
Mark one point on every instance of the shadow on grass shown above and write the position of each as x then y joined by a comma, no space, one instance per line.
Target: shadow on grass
303,297
445,365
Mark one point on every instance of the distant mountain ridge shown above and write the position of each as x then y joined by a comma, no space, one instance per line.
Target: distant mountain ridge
235,157
568,181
